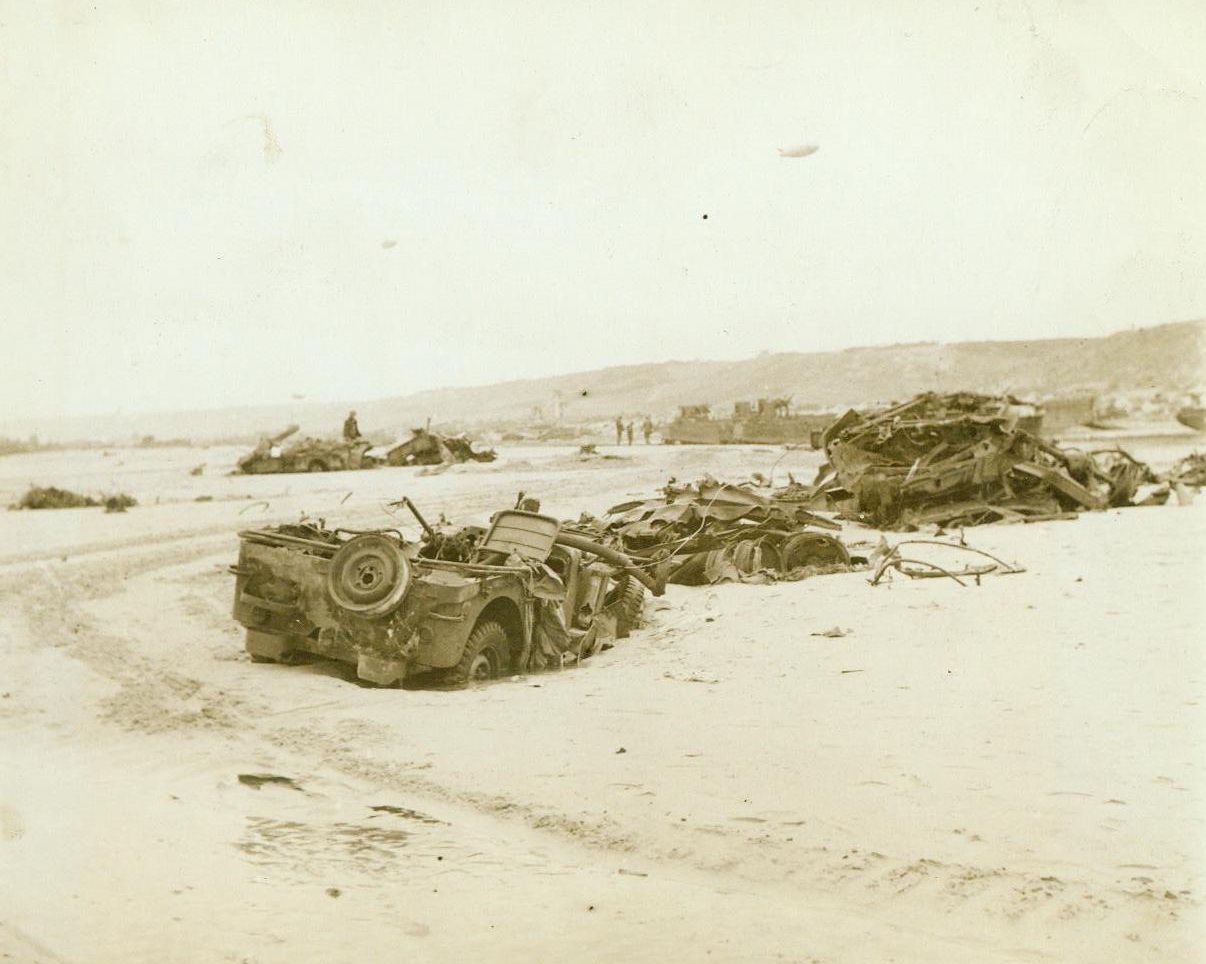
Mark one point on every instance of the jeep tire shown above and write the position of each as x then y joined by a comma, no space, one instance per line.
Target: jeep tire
485,655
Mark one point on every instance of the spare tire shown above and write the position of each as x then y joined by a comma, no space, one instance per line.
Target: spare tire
369,575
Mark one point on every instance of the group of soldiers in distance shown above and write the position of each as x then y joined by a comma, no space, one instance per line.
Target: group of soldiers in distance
622,429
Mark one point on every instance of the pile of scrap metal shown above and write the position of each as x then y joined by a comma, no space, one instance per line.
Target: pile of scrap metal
713,532
962,460
429,448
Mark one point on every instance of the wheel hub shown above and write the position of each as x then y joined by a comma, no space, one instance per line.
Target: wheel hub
369,574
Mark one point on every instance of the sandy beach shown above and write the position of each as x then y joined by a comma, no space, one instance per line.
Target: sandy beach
1009,771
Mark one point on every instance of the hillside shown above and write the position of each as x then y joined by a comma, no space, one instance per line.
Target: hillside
1163,358
1168,357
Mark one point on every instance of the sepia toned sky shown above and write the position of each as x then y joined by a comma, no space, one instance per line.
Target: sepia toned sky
219,203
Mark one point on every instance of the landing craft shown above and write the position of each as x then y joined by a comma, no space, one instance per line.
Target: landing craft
767,421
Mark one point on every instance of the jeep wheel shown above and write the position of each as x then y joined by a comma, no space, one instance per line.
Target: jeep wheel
369,575
484,656
318,465
629,604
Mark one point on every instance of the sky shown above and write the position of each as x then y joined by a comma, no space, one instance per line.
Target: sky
223,203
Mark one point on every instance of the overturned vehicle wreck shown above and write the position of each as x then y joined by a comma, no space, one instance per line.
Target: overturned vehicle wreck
713,532
466,605
966,460
429,448
281,453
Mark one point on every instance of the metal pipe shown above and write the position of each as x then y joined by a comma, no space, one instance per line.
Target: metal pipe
278,540
405,500
471,566
613,556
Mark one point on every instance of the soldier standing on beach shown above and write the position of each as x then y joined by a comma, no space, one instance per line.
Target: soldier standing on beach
647,428
351,430
619,429
630,433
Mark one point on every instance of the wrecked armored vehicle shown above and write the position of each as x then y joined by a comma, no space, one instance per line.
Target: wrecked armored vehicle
965,459
306,454
469,605
428,448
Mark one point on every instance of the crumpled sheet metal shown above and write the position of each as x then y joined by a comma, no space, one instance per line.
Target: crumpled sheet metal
706,502
713,532
964,460
430,448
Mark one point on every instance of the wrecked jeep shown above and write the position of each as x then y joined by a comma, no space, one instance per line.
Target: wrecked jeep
275,454
468,605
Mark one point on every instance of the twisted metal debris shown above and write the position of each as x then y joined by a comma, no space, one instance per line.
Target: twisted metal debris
712,531
964,459
890,557
430,448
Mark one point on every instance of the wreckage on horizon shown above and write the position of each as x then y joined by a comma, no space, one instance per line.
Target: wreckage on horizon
274,454
425,447
284,453
965,459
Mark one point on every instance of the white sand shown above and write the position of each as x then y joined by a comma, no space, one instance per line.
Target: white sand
1004,772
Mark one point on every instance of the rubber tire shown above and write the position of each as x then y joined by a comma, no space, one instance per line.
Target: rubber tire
317,465
747,556
771,556
373,600
632,605
812,548
484,657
